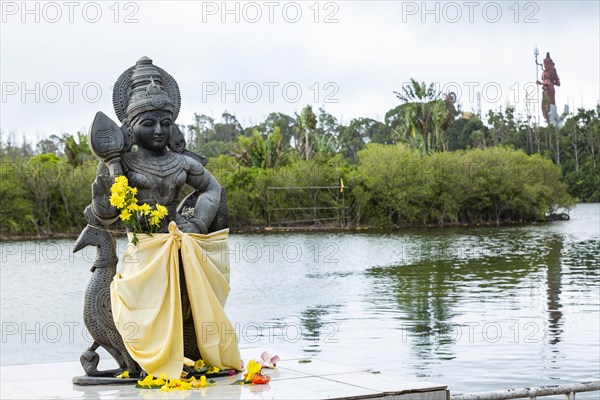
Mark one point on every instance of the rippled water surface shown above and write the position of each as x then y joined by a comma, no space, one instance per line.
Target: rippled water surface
473,308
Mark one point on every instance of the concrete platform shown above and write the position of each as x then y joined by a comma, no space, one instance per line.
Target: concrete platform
292,379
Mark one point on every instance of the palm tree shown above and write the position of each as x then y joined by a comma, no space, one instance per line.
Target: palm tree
256,151
425,115
76,151
305,132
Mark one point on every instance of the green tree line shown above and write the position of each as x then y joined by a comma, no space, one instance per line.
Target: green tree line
426,163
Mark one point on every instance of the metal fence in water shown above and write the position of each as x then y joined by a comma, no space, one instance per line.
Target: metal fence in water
568,390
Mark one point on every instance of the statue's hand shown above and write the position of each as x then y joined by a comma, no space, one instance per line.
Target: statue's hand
188,226
101,197
102,186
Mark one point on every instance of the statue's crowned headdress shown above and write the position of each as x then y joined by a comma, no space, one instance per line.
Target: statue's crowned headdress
145,87
548,60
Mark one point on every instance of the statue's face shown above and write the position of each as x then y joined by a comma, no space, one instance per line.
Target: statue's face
153,129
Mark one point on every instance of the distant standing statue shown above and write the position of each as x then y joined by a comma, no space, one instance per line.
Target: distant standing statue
549,80
167,301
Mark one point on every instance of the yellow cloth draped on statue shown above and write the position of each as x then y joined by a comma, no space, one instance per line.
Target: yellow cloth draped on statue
146,300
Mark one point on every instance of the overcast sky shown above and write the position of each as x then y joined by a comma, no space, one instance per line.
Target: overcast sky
59,60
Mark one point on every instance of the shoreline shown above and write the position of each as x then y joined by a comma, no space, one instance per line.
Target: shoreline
300,229
393,228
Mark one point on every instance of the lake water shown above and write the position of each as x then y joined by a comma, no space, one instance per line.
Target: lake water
474,308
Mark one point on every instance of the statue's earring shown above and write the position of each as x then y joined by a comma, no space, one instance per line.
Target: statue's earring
176,139
127,132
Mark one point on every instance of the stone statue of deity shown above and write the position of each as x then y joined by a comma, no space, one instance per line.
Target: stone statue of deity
149,149
549,80
146,100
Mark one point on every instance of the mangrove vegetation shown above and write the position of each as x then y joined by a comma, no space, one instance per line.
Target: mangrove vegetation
427,163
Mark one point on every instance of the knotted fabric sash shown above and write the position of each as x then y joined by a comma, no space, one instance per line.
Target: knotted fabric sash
146,300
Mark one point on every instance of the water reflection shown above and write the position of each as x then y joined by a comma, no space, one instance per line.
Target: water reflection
578,261
310,329
315,325
433,294
553,279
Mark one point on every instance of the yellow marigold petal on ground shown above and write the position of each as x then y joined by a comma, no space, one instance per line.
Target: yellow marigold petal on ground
212,370
165,388
176,384
124,375
146,381
199,364
199,383
253,368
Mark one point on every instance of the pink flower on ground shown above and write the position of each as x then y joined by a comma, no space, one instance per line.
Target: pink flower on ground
267,361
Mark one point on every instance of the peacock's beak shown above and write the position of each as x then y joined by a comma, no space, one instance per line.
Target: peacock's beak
81,240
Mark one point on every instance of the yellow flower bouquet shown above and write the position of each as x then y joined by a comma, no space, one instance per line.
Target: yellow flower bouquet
122,196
